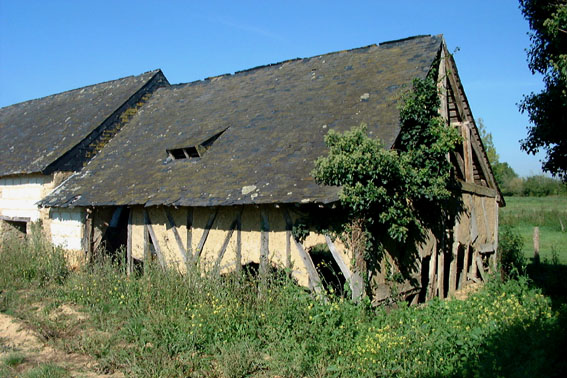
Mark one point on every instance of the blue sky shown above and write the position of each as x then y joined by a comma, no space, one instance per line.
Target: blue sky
48,47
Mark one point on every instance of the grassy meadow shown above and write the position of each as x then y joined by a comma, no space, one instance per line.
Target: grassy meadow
547,213
166,324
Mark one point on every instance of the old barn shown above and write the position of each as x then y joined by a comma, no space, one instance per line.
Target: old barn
45,140
217,171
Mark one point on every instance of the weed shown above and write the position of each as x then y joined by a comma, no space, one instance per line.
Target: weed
14,359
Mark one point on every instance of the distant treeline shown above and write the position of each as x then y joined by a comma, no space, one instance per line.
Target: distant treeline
533,186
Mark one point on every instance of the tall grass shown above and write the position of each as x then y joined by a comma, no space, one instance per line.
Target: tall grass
163,323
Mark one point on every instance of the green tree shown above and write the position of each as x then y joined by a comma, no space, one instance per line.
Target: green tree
391,196
547,110
503,173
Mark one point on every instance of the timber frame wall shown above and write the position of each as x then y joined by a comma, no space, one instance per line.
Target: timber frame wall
224,239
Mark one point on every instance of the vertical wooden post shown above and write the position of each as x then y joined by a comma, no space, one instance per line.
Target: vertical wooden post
264,242
467,152
441,274
239,240
129,259
432,273
190,233
89,235
536,245
147,253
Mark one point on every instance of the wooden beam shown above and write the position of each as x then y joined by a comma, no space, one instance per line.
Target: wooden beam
486,248
453,269
239,240
460,163
129,259
480,268
189,248
227,238
203,240
441,274
442,88
147,254
314,279
477,189
173,227
455,89
465,267
264,241
354,279
88,237
14,219
483,163
154,239
432,274
467,153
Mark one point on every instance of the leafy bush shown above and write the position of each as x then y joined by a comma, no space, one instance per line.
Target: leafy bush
512,260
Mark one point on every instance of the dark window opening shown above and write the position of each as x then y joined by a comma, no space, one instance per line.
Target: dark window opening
193,152
20,227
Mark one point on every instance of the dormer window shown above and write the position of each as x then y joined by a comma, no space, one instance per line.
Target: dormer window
193,152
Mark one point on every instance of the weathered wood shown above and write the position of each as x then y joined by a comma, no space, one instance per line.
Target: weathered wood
224,246
288,249
442,88
536,245
453,269
477,189
314,279
432,274
239,240
129,259
451,75
147,254
473,225
441,274
354,279
190,232
203,240
481,268
465,266
467,153
486,248
88,240
472,278
14,219
473,268
483,164
154,239
460,163
173,227
264,241
485,218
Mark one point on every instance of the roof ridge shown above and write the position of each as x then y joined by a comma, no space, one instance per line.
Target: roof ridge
281,63
153,72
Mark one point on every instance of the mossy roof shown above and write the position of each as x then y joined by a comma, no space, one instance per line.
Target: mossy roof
274,120
35,133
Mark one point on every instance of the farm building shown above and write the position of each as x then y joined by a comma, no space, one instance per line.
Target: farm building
218,170
44,141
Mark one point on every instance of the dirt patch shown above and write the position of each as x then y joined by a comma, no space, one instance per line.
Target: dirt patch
16,337
469,289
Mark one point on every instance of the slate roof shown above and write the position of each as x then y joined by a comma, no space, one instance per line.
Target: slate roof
275,119
35,133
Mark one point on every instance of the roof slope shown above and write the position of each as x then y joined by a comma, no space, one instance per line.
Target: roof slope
35,133
275,119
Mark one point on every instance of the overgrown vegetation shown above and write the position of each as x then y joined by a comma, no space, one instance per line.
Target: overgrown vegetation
391,197
168,324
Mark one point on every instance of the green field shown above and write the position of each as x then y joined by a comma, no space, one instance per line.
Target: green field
547,213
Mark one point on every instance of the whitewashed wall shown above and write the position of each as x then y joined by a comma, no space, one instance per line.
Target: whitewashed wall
18,195
67,228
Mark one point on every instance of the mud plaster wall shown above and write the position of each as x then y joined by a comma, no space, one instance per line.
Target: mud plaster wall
282,249
19,195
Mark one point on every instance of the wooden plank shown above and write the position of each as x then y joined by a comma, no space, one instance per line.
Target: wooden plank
264,241
473,224
224,246
338,258
442,87
477,189
480,268
467,153
147,254
453,269
14,219
441,274
455,89
203,240
129,259
154,239
88,237
314,279
173,227
476,148
239,240
288,249
486,248
189,248
460,163
465,266
432,274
